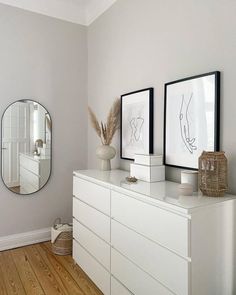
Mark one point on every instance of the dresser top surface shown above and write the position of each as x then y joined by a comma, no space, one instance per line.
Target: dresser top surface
34,157
165,192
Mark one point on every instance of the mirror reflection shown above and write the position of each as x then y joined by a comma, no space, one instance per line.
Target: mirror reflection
26,146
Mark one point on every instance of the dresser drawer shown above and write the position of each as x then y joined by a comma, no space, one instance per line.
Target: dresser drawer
93,269
92,194
136,280
26,187
29,164
92,243
117,288
161,226
165,266
29,177
93,219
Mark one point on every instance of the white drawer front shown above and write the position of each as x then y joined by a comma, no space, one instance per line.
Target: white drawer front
137,281
94,245
93,269
117,288
26,187
93,219
29,177
164,227
165,266
92,194
29,164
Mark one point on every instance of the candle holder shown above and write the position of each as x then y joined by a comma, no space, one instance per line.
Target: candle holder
213,174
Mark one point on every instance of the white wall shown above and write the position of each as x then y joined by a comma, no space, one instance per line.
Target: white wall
138,44
45,59
135,44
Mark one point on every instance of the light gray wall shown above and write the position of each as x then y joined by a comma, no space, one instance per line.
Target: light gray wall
138,44
45,59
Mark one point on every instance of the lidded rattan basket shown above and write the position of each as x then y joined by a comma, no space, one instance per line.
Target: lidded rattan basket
213,174
62,240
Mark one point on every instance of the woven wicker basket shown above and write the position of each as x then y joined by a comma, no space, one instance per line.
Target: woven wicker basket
213,174
63,243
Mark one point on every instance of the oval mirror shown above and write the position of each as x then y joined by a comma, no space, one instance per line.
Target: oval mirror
26,146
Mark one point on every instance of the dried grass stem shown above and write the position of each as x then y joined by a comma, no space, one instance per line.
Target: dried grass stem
106,131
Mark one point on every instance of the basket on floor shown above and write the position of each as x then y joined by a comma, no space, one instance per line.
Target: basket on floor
63,243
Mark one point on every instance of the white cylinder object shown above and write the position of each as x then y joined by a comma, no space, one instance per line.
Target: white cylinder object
191,177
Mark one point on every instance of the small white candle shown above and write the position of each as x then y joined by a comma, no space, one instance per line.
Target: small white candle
191,177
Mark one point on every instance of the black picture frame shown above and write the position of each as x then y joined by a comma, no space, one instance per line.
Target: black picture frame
216,121
149,102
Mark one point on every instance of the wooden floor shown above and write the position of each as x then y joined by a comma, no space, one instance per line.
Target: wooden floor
15,189
34,270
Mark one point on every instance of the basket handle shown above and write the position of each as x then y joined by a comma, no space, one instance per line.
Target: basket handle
56,221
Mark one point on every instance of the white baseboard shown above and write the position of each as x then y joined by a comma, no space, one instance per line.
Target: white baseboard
23,239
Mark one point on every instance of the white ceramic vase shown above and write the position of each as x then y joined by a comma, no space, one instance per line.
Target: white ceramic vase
105,153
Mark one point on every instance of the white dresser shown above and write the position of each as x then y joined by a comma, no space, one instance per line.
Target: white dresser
34,172
144,239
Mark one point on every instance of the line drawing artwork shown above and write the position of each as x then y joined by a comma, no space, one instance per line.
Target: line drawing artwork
136,125
185,125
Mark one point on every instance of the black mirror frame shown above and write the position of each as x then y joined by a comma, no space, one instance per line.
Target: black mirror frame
23,100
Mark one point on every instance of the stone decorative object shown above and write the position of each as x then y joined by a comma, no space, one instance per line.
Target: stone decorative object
131,179
105,153
213,174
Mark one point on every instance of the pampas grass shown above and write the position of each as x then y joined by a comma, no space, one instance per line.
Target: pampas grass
106,131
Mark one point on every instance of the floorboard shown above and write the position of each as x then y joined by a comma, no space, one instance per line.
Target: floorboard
3,290
76,272
35,270
68,284
44,274
26,273
10,275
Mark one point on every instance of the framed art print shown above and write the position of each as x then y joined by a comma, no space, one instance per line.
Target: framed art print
192,119
136,123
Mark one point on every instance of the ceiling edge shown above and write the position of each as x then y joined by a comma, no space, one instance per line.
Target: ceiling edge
94,12
61,10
